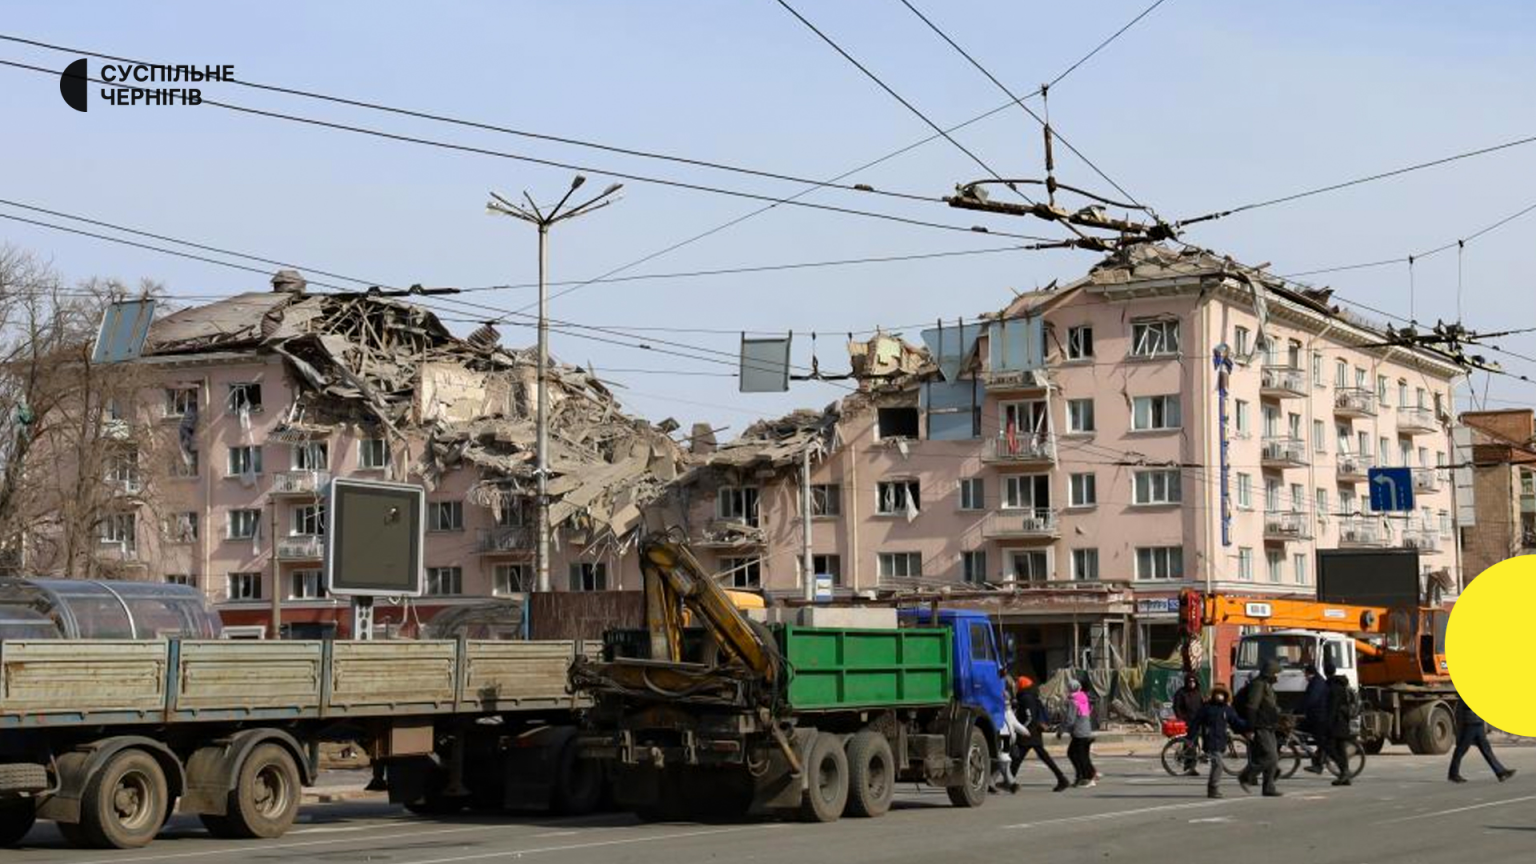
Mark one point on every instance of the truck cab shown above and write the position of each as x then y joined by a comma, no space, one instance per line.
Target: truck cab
978,662
1294,649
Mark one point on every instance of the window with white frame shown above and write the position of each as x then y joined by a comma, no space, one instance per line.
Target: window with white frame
120,529
1080,416
445,515
180,401
1245,564
508,579
1322,503
1340,373
973,566
1319,436
1299,568
445,581
826,499
900,565
244,524
1157,487
181,527
1361,377
1080,343
1029,568
1293,427
828,565
589,576
1244,491
306,585
372,454
1159,562
1155,412
1298,498
1271,495
244,460
1026,492
972,494
1402,393
513,513
1276,561
1156,338
1384,451
187,579
1242,417
1445,523
123,469
311,456
243,586
308,520
1085,565
1242,344
1317,369
244,397
1365,443
737,504
1293,354
1082,490
897,497
1423,457
746,572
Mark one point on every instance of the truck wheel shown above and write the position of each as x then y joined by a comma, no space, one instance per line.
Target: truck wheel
871,774
978,764
1373,746
124,803
16,819
265,799
578,783
827,767
1429,730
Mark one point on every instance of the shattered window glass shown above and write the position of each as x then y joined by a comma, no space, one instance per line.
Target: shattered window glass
244,397
1154,338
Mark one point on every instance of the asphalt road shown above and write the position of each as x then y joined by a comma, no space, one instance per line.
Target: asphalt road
1401,810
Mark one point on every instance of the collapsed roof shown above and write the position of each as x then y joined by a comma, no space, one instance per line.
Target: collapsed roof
781,442
368,359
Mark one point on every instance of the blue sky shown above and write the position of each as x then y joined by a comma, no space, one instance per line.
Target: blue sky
1202,106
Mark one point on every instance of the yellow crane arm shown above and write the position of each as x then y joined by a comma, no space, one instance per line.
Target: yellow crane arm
675,580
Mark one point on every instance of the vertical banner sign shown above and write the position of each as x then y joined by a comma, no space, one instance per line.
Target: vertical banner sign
1222,362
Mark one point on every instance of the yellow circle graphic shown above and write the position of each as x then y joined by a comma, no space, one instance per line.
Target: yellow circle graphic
1490,644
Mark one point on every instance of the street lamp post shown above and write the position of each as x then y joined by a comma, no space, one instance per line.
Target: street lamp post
543,220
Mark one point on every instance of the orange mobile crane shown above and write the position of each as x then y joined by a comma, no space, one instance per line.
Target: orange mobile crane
1395,656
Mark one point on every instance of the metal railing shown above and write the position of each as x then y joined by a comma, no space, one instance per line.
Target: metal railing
1422,539
1361,531
1426,479
305,547
1027,522
1282,380
1355,465
300,482
1415,419
1284,450
1286,525
507,538
1355,402
1023,448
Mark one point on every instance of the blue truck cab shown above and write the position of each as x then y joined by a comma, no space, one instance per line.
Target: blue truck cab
978,662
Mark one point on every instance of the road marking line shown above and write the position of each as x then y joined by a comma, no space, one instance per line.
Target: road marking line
331,829
1115,814
253,848
1431,815
555,834
594,844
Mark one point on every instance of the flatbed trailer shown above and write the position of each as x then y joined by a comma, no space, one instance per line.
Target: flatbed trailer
107,738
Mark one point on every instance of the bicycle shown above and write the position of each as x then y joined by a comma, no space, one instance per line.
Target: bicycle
1180,754
1298,746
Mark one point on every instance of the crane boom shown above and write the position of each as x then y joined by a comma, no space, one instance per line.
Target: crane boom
1291,614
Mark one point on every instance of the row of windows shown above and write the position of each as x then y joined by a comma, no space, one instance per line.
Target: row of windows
304,520
1152,563
440,581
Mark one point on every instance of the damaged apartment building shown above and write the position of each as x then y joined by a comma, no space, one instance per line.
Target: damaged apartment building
275,393
1060,462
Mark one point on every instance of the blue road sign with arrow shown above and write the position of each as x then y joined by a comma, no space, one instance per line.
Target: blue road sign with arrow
1391,489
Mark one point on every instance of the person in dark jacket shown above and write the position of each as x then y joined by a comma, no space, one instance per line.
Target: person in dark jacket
1339,728
1472,731
1187,704
1261,714
1031,712
1314,715
1215,724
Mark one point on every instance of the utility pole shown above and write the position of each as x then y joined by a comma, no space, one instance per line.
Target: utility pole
807,568
532,214
276,630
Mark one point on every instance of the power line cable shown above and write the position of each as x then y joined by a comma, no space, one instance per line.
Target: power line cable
1418,256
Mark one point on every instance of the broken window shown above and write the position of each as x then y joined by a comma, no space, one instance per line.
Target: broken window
445,581
1241,344
589,576
123,470
1030,568
743,572
737,504
372,453
308,520
311,456
513,513
180,401
120,529
826,499
187,579
1155,412
1154,338
1080,343
306,585
181,527
897,423
244,524
900,565
184,463
445,515
828,565
897,498
244,460
509,579
245,398
244,586
1027,492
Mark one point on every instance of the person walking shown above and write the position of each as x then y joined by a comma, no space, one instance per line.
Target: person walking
1343,715
1214,724
1078,722
1031,714
1261,714
1008,752
1472,731
1314,715
1187,704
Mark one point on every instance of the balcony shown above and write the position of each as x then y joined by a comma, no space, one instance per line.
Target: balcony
1416,421
1422,539
1022,450
300,482
304,547
1283,452
1282,525
1025,524
731,534
1359,531
1354,466
504,539
1426,480
1282,382
1014,380
1354,402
